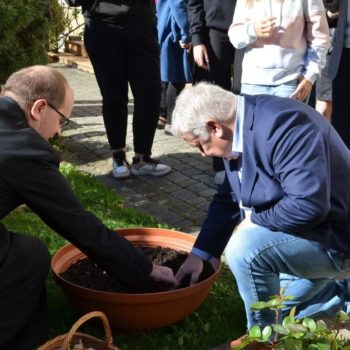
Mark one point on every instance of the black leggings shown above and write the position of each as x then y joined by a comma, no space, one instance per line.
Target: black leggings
121,56
172,92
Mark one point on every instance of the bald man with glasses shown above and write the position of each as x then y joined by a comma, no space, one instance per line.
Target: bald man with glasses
35,104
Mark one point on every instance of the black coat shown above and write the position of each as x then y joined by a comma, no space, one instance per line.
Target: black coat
121,12
29,175
204,14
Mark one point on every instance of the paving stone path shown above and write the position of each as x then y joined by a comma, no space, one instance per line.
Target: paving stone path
179,199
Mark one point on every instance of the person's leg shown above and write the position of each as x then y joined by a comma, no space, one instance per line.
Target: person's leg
313,297
172,92
22,294
323,93
221,56
237,71
340,90
107,55
144,77
325,108
259,258
163,106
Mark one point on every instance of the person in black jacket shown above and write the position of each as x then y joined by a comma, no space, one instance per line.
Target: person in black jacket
121,41
35,104
213,53
339,72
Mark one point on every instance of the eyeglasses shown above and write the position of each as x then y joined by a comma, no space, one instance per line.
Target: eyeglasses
64,121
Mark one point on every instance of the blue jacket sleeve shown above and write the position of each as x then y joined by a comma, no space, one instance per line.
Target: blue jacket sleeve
223,216
179,13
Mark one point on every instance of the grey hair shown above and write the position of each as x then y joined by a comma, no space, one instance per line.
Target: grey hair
197,104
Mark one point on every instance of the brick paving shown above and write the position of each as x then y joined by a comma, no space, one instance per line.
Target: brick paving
179,199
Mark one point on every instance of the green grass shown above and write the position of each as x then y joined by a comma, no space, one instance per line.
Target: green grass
219,318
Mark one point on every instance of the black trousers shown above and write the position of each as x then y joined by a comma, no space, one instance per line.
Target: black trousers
340,96
173,90
221,55
163,104
22,294
123,55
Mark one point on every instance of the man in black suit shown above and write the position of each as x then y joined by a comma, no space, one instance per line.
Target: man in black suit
35,104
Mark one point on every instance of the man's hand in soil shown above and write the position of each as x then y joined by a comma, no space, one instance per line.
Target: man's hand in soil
164,276
193,266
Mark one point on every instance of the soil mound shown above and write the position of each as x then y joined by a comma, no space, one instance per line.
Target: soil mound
86,273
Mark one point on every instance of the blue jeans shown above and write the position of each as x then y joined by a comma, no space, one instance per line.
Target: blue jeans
263,261
283,90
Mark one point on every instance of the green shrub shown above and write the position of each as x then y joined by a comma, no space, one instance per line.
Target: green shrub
292,333
24,31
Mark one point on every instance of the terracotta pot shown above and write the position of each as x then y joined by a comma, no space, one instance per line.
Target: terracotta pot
135,311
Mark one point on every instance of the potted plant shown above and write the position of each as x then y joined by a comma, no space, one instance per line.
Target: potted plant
127,311
292,333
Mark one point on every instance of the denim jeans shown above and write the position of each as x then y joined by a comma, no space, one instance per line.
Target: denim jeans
263,261
283,90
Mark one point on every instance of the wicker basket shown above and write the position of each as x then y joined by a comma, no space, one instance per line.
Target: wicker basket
67,341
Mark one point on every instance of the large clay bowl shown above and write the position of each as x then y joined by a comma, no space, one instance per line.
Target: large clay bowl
135,311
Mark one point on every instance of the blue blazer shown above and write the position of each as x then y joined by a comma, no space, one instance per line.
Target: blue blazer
295,177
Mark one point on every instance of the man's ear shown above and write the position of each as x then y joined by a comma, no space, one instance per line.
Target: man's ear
37,109
213,126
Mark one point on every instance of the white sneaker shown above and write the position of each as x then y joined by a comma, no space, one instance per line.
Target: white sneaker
148,166
168,130
219,177
120,165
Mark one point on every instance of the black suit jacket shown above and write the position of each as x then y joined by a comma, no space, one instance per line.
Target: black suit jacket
29,175
338,41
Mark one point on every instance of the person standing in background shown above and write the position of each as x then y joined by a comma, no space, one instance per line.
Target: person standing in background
321,94
212,51
339,71
282,214
286,45
175,45
121,41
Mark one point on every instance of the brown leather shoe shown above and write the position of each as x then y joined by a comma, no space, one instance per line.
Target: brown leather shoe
235,343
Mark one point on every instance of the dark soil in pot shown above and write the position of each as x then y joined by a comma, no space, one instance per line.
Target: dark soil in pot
86,273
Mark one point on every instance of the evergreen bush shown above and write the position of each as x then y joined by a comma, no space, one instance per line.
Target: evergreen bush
59,23
24,34
64,22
